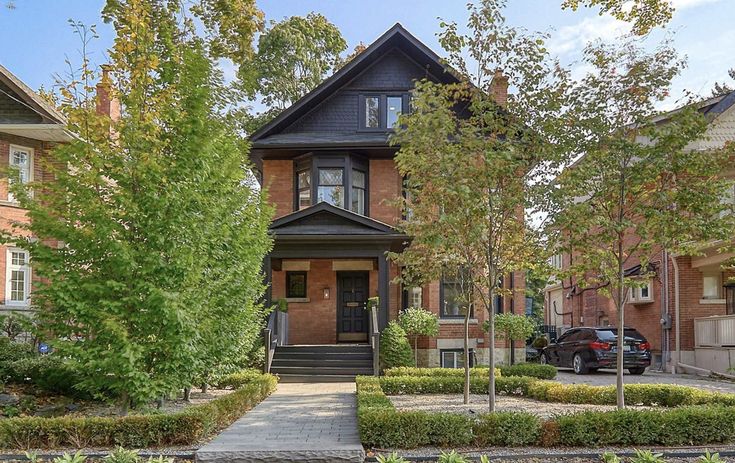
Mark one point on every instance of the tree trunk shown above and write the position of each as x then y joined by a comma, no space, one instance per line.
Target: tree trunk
124,404
491,353
467,356
187,394
205,387
416,350
621,341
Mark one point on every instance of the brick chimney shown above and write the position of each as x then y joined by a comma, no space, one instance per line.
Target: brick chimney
107,104
499,88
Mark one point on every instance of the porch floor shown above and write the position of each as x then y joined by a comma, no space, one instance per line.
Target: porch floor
313,422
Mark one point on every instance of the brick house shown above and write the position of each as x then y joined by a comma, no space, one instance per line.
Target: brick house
29,128
329,170
688,298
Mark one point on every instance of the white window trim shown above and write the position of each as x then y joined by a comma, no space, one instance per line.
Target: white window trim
717,275
31,157
9,269
635,298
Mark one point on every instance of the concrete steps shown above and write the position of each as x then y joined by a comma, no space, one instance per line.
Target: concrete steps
322,363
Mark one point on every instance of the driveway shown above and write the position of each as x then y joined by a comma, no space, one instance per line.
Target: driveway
607,377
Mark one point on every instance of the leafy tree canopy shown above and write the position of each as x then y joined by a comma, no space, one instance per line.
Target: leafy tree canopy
643,14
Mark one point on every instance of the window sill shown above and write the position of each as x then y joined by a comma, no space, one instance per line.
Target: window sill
712,301
297,299
5,202
456,321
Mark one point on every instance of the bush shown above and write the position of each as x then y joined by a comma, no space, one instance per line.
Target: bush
507,428
533,370
138,431
443,372
397,385
395,351
237,380
48,373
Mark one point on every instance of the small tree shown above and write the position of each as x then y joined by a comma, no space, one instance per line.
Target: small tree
395,350
416,322
640,186
513,327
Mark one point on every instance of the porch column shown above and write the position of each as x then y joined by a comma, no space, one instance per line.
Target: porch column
383,284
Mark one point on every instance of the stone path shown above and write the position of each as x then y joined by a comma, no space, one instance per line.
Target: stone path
305,422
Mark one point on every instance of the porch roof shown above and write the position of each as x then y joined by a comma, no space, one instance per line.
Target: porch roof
328,221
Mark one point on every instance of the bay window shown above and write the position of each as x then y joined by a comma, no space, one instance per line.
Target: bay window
331,187
304,188
338,179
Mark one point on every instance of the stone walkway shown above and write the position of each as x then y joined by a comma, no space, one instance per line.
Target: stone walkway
305,422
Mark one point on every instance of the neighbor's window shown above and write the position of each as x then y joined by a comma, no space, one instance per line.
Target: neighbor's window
296,284
413,297
394,107
304,179
358,191
331,187
712,285
21,160
18,277
454,358
372,112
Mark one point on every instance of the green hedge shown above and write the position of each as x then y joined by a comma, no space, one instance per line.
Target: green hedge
533,370
666,395
237,380
381,425
183,428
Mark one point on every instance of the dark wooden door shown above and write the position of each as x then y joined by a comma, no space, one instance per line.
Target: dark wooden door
352,296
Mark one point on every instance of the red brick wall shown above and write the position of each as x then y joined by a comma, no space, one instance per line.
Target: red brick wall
385,186
278,180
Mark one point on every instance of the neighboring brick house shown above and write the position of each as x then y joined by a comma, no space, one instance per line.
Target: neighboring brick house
698,283
29,128
330,173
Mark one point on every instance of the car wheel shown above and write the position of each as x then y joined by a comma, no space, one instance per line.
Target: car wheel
579,366
636,370
543,359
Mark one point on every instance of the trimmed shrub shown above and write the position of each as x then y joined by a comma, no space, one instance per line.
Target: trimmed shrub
395,351
136,431
507,428
397,385
533,370
48,373
444,372
237,380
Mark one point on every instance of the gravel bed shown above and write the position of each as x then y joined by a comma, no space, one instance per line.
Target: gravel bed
479,403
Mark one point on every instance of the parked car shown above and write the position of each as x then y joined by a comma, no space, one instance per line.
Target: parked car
586,349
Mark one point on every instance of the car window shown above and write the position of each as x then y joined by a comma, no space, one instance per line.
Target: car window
565,337
610,334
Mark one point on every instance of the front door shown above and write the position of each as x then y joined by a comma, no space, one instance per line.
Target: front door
352,296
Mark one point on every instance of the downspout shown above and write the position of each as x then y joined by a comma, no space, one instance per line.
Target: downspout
676,313
664,310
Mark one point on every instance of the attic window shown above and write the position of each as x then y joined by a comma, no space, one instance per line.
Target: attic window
380,112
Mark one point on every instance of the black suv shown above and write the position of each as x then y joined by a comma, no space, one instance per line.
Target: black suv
586,349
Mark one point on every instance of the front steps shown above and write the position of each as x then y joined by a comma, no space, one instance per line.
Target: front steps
322,363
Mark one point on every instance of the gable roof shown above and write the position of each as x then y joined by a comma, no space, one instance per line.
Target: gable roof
30,98
325,219
711,107
396,36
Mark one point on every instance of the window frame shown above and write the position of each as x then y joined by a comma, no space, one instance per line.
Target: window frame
363,190
299,188
635,296
407,296
382,109
718,276
9,268
442,299
290,274
457,359
346,161
31,156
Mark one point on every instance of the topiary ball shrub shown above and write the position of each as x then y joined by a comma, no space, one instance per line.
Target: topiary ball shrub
395,350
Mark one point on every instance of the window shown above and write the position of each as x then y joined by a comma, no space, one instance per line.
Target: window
413,297
712,285
331,187
452,297
395,105
380,112
454,358
18,277
555,261
304,186
372,112
21,159
642,294
296,284
358,191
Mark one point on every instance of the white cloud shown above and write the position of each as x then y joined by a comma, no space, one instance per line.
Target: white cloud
573,38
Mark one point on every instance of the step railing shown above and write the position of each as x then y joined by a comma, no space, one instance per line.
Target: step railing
374,339
715,331
274,334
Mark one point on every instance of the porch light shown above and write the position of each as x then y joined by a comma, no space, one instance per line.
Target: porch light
730,297
326,293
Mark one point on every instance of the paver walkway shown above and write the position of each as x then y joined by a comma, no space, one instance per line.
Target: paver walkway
314,422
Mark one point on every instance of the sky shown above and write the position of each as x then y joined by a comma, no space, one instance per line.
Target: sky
36,39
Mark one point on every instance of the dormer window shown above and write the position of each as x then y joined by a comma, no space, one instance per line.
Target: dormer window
380,112
338,179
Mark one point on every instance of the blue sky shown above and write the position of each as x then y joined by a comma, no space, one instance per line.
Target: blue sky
35,37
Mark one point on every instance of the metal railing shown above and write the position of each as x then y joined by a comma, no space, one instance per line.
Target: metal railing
375,339
274,334
715,331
